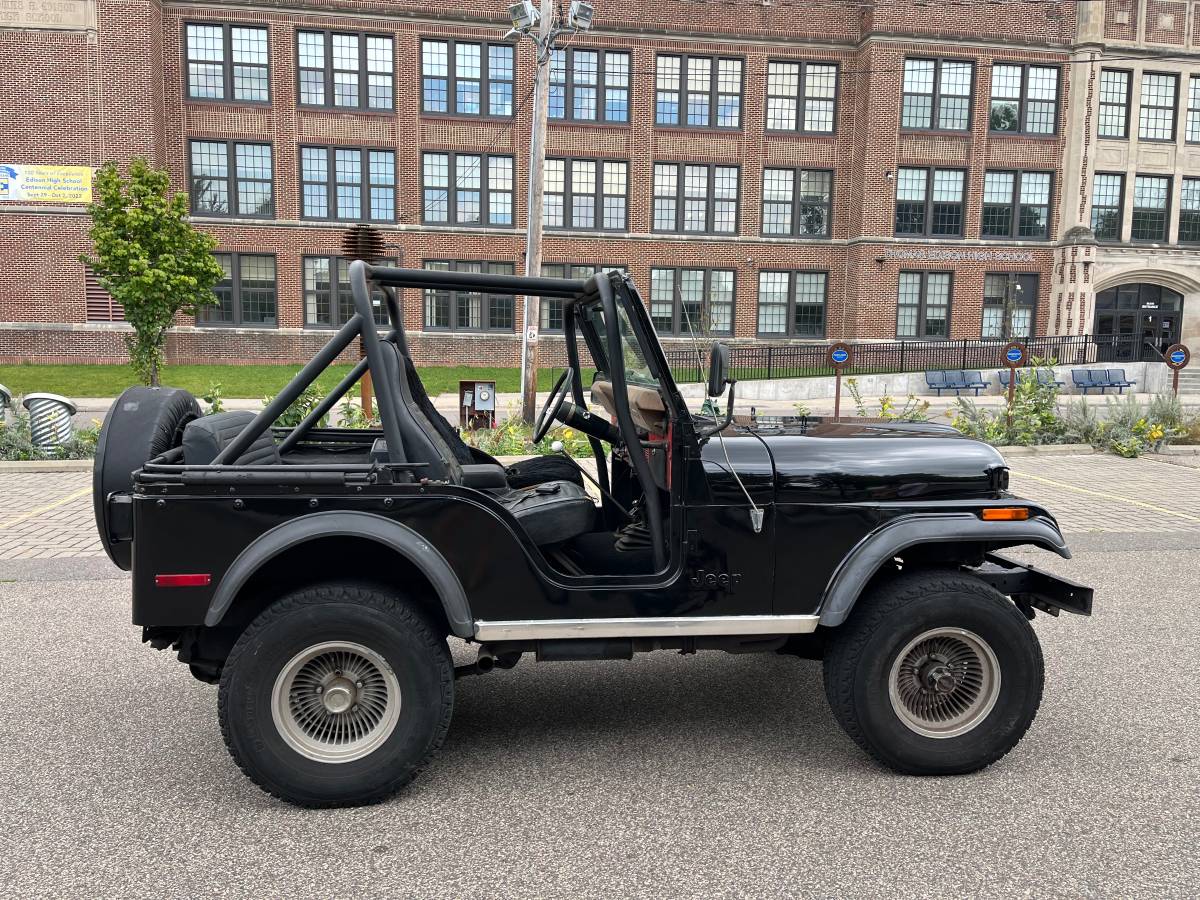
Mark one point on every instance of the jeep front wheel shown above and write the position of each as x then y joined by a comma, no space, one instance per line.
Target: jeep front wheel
336,696
935,673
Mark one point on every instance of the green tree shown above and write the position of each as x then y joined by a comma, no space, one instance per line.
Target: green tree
152,260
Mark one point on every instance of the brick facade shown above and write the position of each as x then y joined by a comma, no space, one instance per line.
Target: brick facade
85,97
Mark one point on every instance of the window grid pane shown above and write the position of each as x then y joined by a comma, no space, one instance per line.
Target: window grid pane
1107,191
1156,120
1114,103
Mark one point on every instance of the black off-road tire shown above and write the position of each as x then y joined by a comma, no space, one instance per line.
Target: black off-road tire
413,648
861,653
143,423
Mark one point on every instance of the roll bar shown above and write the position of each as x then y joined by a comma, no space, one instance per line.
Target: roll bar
381,364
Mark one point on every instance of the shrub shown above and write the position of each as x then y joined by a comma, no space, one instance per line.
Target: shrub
213,397
352,416
913,410
300,408
1034,418
16,442
512,437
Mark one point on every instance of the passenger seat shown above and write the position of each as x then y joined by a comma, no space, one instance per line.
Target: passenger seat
207,436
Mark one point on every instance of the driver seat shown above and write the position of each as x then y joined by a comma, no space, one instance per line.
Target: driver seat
550,512
527,473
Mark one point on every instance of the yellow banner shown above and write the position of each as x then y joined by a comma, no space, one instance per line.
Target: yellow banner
46,184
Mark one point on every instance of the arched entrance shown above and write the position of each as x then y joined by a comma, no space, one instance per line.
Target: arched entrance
1149,314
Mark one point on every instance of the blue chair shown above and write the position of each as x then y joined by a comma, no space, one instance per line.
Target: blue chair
1046,377
1082,379
936,381
973,379
1116,378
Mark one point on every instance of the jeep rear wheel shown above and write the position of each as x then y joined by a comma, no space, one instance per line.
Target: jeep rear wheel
934,673
336,696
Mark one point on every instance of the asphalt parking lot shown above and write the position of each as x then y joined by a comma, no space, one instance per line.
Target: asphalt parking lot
664,776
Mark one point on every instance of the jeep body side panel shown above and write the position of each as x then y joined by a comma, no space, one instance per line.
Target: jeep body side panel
502,574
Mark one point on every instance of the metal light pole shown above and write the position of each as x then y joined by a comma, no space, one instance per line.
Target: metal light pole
524,18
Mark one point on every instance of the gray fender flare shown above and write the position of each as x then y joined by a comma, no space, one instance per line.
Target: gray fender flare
861,563
370,526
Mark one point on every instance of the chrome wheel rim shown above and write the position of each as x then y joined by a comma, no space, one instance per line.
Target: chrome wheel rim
336,702
944,682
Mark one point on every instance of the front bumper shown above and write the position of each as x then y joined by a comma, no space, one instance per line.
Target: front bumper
1031,588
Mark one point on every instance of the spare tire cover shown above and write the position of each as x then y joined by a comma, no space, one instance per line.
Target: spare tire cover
143,423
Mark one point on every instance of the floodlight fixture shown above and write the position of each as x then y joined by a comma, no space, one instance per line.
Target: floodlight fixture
580,15
524,15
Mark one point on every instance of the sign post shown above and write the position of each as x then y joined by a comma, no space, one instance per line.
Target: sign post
841,355
1015,356
1176,358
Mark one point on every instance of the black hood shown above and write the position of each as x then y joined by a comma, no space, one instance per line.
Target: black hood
825,461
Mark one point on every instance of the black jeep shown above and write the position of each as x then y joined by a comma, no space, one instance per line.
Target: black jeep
315,573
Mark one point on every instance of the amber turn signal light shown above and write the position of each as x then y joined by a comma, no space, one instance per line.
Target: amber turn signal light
1004,514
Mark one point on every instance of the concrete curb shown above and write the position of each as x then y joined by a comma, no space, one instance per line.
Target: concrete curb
47,465
1048,450
1178,450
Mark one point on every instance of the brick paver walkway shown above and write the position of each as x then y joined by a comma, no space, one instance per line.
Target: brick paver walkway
50,515
47,515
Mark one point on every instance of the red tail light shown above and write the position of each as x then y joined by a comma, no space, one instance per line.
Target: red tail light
198,580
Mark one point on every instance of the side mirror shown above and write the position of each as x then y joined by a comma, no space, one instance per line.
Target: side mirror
718,369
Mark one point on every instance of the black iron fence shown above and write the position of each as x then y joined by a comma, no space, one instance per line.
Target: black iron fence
762,361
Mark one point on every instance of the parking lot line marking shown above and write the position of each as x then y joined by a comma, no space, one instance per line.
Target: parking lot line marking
33,513
1118,497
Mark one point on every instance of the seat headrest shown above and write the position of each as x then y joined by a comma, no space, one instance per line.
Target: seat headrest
205,437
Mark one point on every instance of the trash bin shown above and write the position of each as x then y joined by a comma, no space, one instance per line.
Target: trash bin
49,419
5,403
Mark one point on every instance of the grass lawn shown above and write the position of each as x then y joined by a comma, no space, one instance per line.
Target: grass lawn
236,381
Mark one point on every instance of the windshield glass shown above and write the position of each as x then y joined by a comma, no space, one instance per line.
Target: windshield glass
630,353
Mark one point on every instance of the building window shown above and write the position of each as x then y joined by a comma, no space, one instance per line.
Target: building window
551,308
328,302
1016,204
698,91
231,179
1151,200
801,96
585,194
1192,134
1009,305
1115,87
792,303
1156,118
1189,211
1108,193
246,295
797,202
692,301
467,189
922,211
923,305
346,71
228,62
466,79
469,310
695,199
937,94
1024,99
589,85
347,183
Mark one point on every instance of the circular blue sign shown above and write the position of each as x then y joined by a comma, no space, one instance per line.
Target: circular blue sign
1178,357
1014,355
839,355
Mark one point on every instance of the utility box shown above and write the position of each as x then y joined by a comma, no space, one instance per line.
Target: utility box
477,404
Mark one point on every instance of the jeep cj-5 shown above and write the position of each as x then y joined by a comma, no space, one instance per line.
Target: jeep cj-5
315,574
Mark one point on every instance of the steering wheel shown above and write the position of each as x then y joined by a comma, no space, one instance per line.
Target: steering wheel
558,396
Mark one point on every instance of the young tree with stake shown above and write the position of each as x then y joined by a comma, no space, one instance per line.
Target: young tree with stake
149,257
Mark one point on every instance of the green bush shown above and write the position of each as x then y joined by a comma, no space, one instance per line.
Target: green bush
300,408
16,442
913,410
512,437
1034,418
